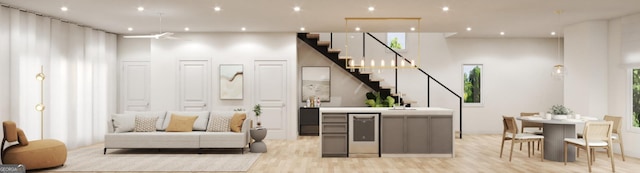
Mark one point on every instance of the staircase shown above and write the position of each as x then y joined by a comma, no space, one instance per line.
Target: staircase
365,77
313,40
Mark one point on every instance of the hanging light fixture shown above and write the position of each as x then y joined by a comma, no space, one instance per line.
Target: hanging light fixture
558,70
381,64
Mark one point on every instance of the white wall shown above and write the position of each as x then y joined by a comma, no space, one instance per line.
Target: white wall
517,74
516,78
219,48
619,92
586,56
5,69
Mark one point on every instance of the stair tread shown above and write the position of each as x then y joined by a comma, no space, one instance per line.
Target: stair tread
313,35
324,43
376,80
387,87
365,72
334,50
409,101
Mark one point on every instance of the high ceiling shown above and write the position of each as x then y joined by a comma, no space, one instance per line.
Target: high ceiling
487,18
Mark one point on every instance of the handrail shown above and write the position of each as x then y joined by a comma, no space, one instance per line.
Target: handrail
429,78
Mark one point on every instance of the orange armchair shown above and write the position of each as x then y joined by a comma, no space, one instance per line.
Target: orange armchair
36,154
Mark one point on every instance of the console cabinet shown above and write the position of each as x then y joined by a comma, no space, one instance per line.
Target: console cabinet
308,121
413,134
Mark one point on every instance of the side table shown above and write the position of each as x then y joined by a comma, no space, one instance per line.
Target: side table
258,135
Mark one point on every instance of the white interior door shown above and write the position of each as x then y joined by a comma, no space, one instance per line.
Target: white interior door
194,85
271,93
135,77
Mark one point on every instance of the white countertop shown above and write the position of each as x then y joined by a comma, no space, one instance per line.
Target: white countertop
389,111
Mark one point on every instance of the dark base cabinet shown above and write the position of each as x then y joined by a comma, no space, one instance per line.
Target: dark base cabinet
335,136
308,121
428,134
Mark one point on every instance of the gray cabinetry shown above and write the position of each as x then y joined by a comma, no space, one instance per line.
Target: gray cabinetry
308,121
417,134
334,135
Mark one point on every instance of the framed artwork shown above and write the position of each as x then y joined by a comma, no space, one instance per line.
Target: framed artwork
316,81
397,41
472,84
231,81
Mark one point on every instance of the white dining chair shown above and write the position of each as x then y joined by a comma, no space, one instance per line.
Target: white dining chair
597,134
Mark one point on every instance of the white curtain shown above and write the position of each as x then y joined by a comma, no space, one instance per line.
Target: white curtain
79,63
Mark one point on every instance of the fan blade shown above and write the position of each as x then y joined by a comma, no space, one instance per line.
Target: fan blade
139,36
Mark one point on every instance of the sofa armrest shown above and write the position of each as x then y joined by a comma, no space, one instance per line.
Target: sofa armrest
246,125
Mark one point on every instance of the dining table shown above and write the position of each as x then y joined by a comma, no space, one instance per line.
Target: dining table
554,132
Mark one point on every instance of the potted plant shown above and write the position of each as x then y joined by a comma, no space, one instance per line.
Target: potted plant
256,109
560,112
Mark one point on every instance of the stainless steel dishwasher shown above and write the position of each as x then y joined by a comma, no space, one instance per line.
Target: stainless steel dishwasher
364,137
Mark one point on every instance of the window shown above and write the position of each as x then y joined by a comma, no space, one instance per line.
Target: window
635,100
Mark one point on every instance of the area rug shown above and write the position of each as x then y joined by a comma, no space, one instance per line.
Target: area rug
167,160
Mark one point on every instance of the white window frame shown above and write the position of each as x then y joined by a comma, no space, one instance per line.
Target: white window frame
629,110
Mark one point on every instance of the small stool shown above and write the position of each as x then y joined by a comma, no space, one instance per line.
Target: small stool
258,135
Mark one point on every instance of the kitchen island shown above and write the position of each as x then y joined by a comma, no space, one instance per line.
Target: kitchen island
409,132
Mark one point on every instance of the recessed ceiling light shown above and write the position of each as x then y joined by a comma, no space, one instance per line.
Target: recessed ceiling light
413,28
357,28
468,28
130,29
217,8
445,8
140,8
371,8
186,28
64,8
243,29
296,8
553,33
501,33
302,29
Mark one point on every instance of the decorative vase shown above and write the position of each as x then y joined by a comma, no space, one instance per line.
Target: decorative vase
258,122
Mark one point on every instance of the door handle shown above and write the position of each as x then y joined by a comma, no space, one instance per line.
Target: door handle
205,105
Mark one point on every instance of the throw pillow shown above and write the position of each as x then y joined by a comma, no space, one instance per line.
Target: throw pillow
145,124
201,121
123,122
218,124
179,123
236,121
160,114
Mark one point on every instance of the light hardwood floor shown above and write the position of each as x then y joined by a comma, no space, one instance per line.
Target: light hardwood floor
474,153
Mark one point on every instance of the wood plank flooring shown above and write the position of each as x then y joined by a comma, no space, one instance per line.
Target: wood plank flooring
474,153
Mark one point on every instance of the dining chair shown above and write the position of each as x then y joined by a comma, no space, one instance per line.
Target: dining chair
616,133
596,134
511,133
526,124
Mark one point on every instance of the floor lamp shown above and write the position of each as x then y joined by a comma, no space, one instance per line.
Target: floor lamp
40,106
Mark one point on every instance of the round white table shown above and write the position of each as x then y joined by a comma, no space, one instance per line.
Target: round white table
554,132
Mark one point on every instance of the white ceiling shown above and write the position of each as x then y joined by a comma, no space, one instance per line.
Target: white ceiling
517,18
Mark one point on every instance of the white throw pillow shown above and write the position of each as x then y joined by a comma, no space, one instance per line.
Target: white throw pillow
219,124
123,122
159,114
201,121
145,123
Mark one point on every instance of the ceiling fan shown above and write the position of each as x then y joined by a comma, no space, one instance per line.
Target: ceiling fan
161,35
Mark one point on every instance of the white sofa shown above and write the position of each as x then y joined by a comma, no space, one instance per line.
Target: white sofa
198,138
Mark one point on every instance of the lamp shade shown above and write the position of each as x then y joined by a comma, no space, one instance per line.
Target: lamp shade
558,71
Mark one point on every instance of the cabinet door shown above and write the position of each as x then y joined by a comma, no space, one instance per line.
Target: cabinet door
392,134
309,116
334,145
417,134
441,134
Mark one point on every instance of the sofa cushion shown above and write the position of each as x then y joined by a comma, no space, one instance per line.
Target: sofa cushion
218,124
236,121
145,124
200,123
158,139
123,122
160,114
179,123
222,140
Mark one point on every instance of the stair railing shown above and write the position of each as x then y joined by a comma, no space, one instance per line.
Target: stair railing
429,78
